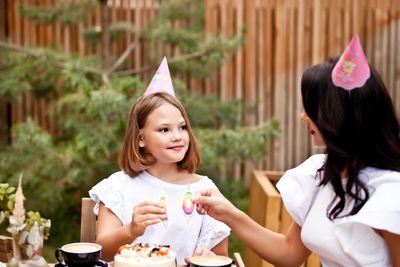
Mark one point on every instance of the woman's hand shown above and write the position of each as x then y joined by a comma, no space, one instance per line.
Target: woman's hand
212,202
199,252
145,214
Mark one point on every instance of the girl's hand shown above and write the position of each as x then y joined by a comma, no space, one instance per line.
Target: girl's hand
211,201
145,214
200,252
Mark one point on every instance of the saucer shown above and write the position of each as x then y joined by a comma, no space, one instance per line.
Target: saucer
105,264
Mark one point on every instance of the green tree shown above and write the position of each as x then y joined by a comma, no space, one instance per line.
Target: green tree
93,105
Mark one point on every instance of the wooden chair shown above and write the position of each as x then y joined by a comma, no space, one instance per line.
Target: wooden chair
5,248
89,223
267,209
238,259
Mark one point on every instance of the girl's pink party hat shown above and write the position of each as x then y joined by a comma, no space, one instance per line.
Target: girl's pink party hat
352,69
161,81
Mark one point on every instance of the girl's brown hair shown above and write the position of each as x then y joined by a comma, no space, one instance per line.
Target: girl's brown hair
133,158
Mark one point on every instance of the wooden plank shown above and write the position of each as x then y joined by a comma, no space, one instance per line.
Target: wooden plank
317,53
13,23
279,146
5,248
300,137
41,28
334,34
223,17
138,24
239,71
229,30
250,59
378,37
49,28
369,34
81,41
397,64
3,101
273,210
113,19
257,210
347,33
290,100
286,220
88,221
261,62
97,23
5,256
268,72
5,243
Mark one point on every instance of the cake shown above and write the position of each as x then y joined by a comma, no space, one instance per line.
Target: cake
138,255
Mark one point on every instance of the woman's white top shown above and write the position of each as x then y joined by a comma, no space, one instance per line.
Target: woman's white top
121,193
349,241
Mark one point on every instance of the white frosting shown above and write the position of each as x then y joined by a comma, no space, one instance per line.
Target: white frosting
137,256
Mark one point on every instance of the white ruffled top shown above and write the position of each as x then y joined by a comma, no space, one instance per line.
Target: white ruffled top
349,241
121,193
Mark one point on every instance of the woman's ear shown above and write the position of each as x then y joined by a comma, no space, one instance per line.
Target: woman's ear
141,141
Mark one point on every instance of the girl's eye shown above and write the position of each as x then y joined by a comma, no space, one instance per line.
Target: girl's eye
183,127
164,130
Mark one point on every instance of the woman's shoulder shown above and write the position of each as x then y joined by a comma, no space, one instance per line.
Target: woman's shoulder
381,211
375,177
310,165
298,187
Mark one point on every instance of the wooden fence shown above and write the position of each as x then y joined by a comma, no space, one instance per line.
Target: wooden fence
283,38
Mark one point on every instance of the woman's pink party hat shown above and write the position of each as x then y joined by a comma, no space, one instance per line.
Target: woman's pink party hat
352,69
161,81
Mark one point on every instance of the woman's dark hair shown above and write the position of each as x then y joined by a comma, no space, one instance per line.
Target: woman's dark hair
359,128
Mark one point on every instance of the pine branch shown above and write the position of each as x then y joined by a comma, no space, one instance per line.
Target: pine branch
42,58
124,55
149,68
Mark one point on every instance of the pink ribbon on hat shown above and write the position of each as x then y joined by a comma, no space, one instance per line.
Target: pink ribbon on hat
352,69
161,81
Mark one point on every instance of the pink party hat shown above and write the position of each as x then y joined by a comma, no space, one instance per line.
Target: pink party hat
352,69
161,81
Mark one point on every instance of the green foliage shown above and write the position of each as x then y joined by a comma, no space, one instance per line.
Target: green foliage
91,114
117,29
236,144
65,12
28,226
7,199
191,37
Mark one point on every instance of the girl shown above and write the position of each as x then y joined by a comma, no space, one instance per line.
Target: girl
345,203
149,200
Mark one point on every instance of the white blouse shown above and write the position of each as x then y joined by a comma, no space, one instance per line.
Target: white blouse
121,193
348,241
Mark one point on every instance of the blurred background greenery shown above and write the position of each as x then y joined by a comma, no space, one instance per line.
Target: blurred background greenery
91,105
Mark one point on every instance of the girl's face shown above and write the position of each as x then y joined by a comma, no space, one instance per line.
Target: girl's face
317,139
165,135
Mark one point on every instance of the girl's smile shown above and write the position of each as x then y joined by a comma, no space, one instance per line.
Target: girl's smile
176,148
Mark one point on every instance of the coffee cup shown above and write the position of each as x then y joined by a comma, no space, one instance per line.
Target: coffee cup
80,254
210,261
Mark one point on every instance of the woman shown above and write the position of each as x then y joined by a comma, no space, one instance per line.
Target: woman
346,203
